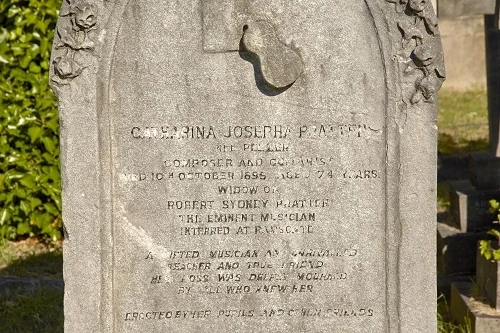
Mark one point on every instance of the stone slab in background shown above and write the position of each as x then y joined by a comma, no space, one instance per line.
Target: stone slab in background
444,284
453,167
464,49
463,307
485,171
470,206
202,193
493,78
487,279
456,8
477,301
456,250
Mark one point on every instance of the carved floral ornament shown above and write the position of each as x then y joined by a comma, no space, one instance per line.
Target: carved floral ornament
78,18
421,49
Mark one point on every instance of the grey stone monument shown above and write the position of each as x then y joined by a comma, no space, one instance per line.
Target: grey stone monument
248,166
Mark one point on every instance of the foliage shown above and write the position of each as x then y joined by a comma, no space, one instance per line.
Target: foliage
30,203
445,324
487,250
24,309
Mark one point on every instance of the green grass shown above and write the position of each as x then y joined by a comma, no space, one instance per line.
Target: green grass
445,324
39,312
462,121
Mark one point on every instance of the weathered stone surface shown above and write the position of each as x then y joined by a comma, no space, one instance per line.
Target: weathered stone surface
280,65
197,199
464,307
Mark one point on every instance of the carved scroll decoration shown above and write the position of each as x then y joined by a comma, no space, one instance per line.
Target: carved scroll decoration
420,51
77,21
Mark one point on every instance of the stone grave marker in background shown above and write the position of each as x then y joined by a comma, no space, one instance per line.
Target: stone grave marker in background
454,8
479,301
492,23
469,199
248,166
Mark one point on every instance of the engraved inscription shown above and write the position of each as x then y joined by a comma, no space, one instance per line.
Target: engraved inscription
239,207
246,196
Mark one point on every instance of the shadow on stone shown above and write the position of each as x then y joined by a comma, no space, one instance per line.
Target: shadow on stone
261,83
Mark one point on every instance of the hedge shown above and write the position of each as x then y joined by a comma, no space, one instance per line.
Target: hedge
30,189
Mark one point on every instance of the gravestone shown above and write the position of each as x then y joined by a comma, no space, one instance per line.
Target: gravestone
487,279
248,166
469,199
492,31
479,301
454,8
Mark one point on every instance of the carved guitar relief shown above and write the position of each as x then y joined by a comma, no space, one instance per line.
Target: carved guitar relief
279,64
420,49
78,18
229,26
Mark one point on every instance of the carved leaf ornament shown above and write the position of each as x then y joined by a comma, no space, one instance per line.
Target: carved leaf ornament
420,50
77,19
